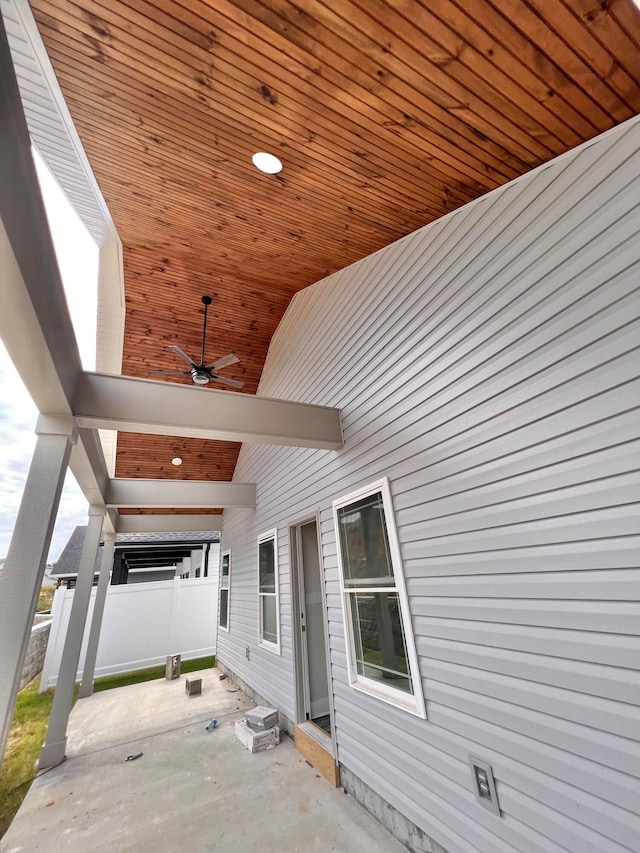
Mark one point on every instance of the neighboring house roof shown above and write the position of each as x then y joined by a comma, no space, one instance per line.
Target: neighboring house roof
161,548
164,538
48,569
69,559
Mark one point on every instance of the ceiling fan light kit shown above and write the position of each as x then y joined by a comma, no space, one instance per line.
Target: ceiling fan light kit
202,374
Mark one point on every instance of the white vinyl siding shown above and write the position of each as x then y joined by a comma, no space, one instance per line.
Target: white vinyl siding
488,366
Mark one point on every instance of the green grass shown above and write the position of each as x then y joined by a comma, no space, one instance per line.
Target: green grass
26,737
111,681
29,729
45,599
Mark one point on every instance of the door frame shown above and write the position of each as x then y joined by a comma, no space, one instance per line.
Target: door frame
297,581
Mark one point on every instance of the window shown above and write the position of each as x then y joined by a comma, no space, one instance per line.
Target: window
381,655
268,593
225,572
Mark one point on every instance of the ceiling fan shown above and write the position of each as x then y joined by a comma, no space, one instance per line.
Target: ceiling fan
202,373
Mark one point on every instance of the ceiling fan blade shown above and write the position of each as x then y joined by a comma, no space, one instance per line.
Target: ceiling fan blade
171,373
223,362
183,355
223,379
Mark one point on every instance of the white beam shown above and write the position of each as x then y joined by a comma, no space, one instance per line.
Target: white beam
165,408
179,493
169,523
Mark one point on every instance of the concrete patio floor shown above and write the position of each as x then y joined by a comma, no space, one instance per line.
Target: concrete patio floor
191,790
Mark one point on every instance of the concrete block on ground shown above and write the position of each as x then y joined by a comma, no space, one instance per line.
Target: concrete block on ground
193,686
256,741
260,719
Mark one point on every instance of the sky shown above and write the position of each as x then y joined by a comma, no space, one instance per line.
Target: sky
78,261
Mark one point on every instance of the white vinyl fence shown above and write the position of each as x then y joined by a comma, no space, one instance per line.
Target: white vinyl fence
142,624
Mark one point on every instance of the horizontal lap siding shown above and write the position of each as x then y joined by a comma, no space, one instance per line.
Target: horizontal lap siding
488,365
269,674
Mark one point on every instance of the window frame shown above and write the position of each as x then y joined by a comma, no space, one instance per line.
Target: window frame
222,627
412,703
269,536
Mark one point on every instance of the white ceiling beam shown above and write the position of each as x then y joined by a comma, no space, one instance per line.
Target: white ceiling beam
165,408
136,493
168,523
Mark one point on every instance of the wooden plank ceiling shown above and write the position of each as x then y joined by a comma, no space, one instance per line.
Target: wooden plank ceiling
386,114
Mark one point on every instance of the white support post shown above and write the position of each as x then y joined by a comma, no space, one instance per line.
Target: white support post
186,566
196,563
22,575
88,671
53,751
174,618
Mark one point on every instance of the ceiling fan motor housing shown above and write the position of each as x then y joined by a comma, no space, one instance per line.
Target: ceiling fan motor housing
200,377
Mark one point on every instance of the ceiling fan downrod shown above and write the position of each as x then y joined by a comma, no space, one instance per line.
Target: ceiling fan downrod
206,301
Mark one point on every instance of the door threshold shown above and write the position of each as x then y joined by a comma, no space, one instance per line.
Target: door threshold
321,737
317,747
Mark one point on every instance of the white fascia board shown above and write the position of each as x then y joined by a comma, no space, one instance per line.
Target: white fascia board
179,493
168,523
35,325
164,408
34,322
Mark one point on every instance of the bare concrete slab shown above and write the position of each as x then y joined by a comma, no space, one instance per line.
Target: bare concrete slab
192,789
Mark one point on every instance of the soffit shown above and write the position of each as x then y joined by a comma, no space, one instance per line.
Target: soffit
387,115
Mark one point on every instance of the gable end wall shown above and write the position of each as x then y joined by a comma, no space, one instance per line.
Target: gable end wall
488,366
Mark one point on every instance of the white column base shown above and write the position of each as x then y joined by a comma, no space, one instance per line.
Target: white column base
85,689
52,754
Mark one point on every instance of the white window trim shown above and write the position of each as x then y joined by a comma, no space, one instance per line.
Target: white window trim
413,704
265,644
220,626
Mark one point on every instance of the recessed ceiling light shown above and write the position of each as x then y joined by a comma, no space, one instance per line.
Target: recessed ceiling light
176,460
267,163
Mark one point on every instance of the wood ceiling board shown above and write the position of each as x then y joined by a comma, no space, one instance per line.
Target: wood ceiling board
488,40
165,308
149,456
302,133
94,22
387,51
166,511
566,58
365,165
386,115
601,21
166,148
253,90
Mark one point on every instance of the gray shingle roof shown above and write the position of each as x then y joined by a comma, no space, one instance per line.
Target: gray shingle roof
162,538
69,559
